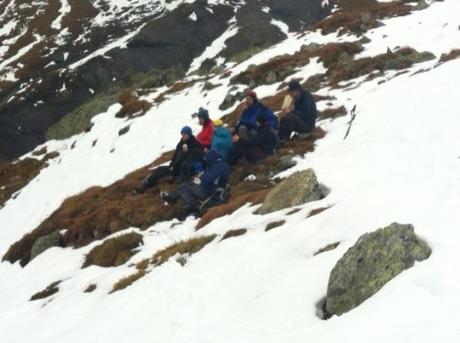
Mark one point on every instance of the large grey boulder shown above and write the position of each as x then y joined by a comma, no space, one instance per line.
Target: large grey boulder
45,242
374,260
300,188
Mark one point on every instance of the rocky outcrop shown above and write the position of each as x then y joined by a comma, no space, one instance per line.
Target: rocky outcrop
300,188
44,243
374,260
167,40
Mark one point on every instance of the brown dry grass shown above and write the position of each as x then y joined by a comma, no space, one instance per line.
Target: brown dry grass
274,225
187,247
127,281
286,65
47,292
114,252
235,203
99,212
317,211
332,113
17,174
233,233
91,288
358,16
453,54
132,105
327,248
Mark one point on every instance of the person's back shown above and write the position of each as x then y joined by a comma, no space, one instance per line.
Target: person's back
222,141
305,108
216,174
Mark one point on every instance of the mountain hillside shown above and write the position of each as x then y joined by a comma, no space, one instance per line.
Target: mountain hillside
97,98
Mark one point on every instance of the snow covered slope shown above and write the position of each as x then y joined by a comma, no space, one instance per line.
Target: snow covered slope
400,163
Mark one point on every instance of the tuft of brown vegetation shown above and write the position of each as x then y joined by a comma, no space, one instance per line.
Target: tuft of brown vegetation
274,225
392,60
91,288
114,251
327,248
99,212
453,54
235,203
175,88
47,292
187,247
359,16
127,281
132,106
233,233
332,113
278,68
15,175
317,211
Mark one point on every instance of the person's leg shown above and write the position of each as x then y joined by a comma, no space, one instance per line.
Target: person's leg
152,180
243,132
299,125
286,126
190,193
253,154
235,154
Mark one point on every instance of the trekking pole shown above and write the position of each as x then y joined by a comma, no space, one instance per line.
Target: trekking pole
353,117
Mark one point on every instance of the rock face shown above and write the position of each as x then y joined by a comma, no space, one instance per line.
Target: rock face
170,37
298,189
374,260
44,243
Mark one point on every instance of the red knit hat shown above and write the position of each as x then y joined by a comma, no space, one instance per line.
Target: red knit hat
253,95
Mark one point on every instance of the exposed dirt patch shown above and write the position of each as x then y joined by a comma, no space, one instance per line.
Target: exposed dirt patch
91,288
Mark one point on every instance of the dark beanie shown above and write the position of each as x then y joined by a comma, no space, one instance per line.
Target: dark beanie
294,85
203,113
186,130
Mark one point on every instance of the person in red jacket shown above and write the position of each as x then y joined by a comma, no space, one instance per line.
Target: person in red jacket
207,132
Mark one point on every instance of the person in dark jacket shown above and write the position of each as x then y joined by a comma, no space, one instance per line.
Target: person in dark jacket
207,131
188,151
257,147
302,117
215,175
247,125
222,140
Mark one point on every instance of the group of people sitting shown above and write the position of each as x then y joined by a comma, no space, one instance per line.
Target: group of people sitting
202,163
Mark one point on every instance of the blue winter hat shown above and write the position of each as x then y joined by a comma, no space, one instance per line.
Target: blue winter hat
186,130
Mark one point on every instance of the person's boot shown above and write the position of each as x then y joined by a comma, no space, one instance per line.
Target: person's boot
188,211
139,189
167,197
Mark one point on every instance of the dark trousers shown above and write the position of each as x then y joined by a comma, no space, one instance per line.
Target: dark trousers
190,193
291,123
181,167
245,150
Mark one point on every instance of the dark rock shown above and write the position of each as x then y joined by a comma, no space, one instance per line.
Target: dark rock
45,242
374,260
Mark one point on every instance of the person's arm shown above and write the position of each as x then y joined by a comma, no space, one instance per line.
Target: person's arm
210,177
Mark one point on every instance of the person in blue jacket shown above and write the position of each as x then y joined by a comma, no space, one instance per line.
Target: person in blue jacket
222,140
215,175
247,125
302,117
